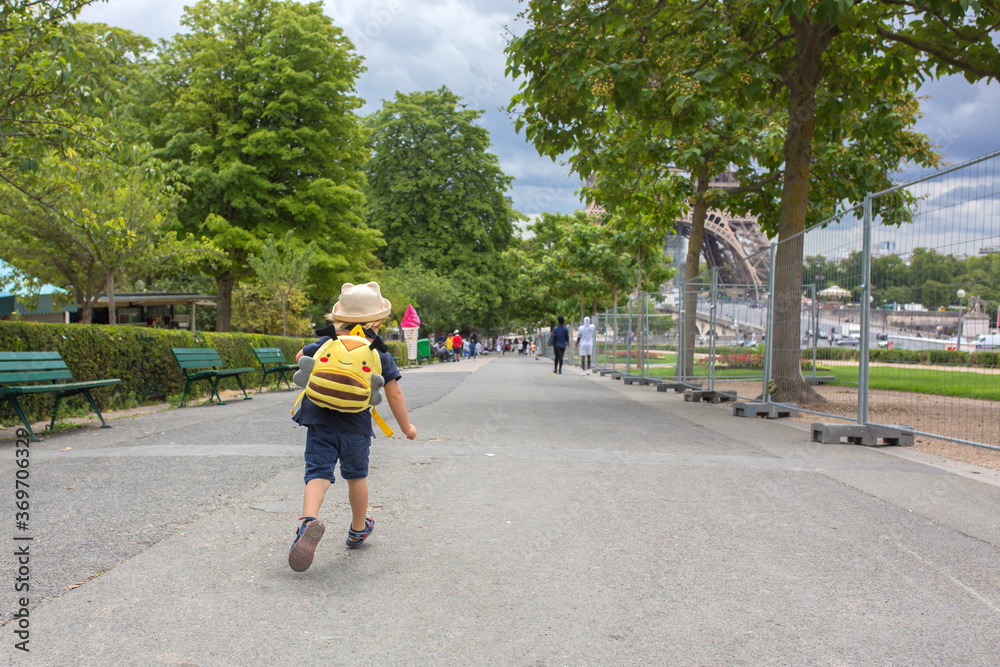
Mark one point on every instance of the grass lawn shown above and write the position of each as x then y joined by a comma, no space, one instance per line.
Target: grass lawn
964,384
667,358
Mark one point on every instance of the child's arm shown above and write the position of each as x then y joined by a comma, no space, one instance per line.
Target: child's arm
397,404
299,355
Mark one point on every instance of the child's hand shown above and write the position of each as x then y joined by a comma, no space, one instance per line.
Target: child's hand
411,432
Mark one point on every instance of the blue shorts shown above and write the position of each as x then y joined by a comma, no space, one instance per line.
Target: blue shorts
325,445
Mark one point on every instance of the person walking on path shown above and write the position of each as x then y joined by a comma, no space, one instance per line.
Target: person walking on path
559,340
456,345
585,343
473,343
332,434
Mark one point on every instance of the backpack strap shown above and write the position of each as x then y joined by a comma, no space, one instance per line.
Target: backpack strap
297,401
328,330
377,343
381,423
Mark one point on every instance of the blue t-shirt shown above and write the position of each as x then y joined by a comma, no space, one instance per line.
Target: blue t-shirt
352,422
560,336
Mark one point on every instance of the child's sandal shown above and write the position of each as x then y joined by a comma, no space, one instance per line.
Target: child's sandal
300,556
355,538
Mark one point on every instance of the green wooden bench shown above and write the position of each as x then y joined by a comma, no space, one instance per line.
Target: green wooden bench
17,368
272,360
203,363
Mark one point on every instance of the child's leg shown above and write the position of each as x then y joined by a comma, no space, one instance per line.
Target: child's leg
312,500
357,493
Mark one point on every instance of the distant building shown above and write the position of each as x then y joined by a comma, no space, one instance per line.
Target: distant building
884,248
14,307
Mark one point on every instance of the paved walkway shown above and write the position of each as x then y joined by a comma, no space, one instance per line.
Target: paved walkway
536,520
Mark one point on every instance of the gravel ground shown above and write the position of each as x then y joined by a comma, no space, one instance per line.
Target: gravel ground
968,419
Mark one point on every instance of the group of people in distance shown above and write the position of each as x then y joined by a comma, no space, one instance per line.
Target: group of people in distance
559,341
453,347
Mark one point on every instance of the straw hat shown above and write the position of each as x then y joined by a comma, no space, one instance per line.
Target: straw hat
360,303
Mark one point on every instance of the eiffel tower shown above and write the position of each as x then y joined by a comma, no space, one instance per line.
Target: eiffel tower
734,245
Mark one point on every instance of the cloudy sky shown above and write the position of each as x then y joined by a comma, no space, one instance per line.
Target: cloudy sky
416,45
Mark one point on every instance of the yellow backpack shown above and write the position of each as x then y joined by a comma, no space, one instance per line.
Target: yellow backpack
345,374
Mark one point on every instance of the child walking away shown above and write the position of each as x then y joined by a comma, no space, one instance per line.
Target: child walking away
344,382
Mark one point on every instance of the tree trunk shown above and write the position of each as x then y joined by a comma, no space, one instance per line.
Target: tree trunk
786,367
224,301
112,317
699,211
284,317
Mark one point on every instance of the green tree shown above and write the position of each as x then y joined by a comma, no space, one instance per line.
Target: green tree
436,298
834,75
57,85
575,262
255,102
603,251
554,268
437,195
282,273
643,106
88,221
254,310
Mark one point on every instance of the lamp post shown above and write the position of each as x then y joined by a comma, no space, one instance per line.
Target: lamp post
961,295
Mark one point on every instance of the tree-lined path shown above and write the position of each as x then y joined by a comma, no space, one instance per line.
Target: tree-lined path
536,520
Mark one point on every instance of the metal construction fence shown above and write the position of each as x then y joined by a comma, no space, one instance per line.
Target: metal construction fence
883,315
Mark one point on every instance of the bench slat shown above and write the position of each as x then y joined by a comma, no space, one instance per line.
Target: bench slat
224,372
198,364
42,365
29,356
12,377
58,388
198,357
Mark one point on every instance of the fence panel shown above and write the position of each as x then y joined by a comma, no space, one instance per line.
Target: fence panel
827,261
661,332
935,265
740,316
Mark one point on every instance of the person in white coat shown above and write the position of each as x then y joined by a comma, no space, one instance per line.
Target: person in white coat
585,343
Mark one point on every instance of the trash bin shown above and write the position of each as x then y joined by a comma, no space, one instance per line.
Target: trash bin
423,349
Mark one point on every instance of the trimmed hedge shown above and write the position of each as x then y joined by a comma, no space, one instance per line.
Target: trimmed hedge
832,353
943,357
141,357
397,349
